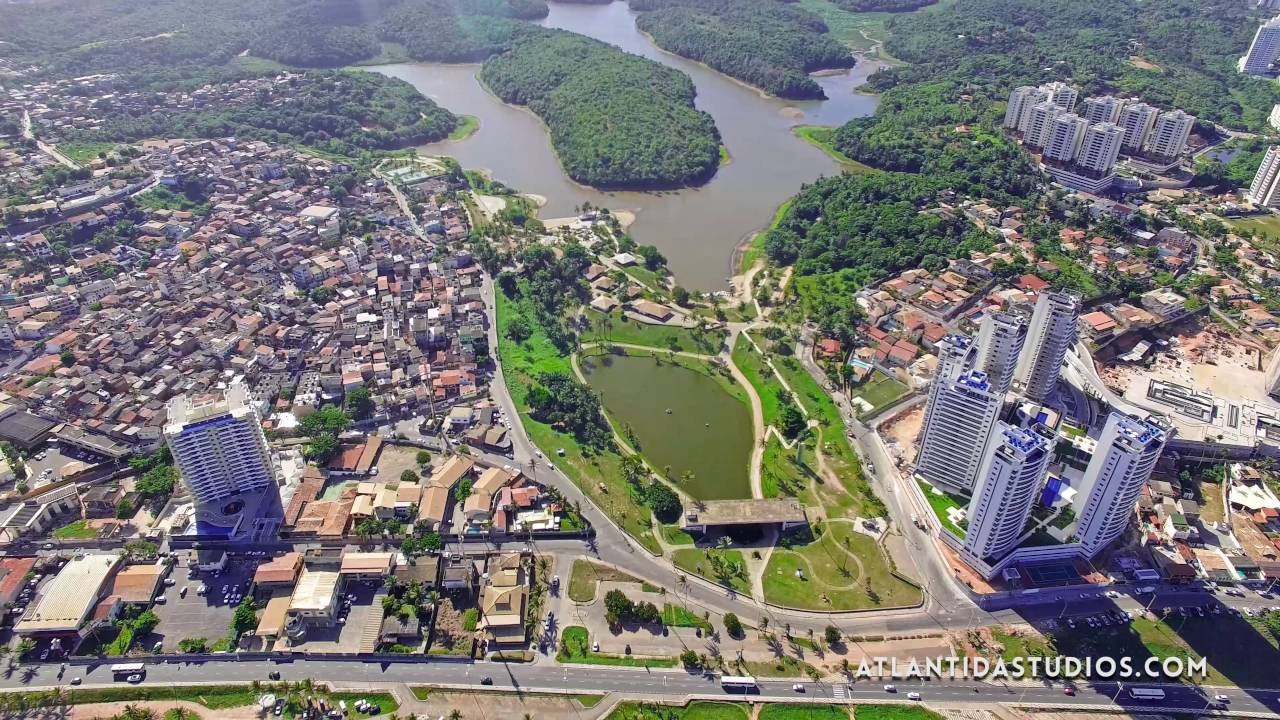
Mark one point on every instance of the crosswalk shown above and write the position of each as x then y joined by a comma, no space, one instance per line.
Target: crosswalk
840,692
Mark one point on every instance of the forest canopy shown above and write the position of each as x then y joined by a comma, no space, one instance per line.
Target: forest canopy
762,42
338,111
616,119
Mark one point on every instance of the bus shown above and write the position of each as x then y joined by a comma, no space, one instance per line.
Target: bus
123,670
1146,693
739,683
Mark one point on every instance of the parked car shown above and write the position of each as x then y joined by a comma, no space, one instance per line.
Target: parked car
135,678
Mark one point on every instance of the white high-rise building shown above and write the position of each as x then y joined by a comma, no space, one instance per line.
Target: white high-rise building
957,427
1009,478
1126,454
1169,135
1136,119
1050,336
1264,50
1065,135
1101,109
1018,114
1000,340
1062,94
1039,121
1100,148
222,456
1265,188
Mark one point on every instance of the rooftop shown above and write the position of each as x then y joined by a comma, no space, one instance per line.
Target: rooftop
67,599
744,512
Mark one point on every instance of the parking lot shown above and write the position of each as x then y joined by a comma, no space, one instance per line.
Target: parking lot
49,468
197,616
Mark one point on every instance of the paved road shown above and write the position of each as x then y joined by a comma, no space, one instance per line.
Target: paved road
670,683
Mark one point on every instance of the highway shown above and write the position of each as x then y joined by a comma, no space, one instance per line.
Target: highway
673,684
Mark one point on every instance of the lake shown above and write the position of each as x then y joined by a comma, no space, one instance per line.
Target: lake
682,418
696,228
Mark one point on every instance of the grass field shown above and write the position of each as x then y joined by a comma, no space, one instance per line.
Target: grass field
598,474
752,365
893,712
755,250
77,530
697,562
880,390
673,535
1021,645
467,126
789,711
586,575
664,337
823,138
784,666
575,647
842,570
940,502
1262,224
676,616
781,475
84,152
859,31
693,711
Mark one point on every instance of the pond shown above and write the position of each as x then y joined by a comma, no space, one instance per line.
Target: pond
681,418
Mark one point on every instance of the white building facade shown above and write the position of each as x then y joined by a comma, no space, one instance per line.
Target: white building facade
1126,454
1051,334
1011,474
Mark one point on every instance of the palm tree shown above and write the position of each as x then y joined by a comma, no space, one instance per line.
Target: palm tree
455,714
25,646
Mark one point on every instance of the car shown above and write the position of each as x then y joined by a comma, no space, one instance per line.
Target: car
134,678
486,680
891,688
1222,698
47,546
76,680
798,687
183,592
595,647
1068,690
913,696
273,675
161,599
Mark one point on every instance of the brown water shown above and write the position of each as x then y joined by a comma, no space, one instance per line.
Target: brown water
696,228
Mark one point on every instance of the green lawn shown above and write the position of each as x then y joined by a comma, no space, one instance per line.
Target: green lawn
785,666
598,474
859,31
697,562
575,647
76,530
585,576
823,138
647,277
1268,224
1021,645
587,700
860,582
163,198
675,536
752,365
85,152
214,697
389,53
257,64
467,126
789,711
624,330
677,616
940,502
700,710
880,390
781,474
839,453
893,712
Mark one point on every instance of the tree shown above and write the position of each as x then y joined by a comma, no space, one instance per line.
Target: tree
67,358
409,476
831,634
368,527
145,622
328,419
125,509
321,295
519,329
157,483
244,618
360,403
732,625
689,659
25,646
463,490
680,296
793,422
424,457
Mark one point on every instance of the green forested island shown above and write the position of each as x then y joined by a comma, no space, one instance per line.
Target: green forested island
762,42
339,112
616,119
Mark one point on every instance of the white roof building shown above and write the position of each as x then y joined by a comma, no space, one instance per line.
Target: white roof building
68,599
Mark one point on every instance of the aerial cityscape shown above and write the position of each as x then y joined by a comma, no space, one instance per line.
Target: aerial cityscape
640,359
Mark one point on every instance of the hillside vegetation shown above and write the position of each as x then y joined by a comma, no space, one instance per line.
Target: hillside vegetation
340,112
762,42
616,119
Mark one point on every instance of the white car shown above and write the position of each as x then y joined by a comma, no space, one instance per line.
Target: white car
798,688
134,679
891,688
913,696
1221,698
